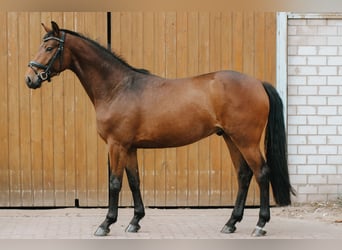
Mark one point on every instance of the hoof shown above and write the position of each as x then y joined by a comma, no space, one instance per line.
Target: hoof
228,229
101,232
258,231
132,228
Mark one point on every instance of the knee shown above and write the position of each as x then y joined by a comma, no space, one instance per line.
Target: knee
115,184
264,174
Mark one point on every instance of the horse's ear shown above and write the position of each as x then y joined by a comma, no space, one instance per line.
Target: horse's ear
46,28
55,28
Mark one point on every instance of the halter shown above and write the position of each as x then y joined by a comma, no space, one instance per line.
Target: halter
46,73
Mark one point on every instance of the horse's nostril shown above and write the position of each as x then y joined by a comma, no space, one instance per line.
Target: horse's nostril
28,80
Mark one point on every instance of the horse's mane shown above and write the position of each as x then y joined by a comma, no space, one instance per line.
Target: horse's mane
105,51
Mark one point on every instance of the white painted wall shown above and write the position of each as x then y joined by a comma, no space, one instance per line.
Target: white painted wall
312,73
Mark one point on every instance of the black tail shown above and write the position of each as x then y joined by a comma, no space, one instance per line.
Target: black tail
276,149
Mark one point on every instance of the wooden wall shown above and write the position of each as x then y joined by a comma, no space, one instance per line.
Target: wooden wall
50,153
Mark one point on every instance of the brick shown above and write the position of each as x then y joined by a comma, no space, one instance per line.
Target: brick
296,100
307,169
335,100
298,179
335,140
292,30
334,60
292,150
292,130
317,80
327,50
316,120
291,110
307,149
292,90
317,139
334,40
292,50
327,150
317,60
334,80
307,50
296,22
327,30
308,90
335,179
296,80
296,120
306,110
297,159
334,22
334,159
326,189
317,22
296,60
307,30
317,179
316,197
327,110
296,140
317,100
327,90
335,120
326,70
317,159
327,130
307,130
308,189
327,169
307,70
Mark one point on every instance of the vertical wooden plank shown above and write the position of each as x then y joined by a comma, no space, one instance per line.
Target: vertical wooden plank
58,130
126,52
238,41
226,63
36,116
69,124
215,143
81,100
171,72
4,113
148,165
203,146
160,69
24,113
260,49
13,108
193,65
92,30
270,44
101,18
248,68
182,68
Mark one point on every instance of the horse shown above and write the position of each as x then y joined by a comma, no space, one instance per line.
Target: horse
137,109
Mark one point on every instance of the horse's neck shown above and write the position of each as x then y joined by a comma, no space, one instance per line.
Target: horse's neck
98,74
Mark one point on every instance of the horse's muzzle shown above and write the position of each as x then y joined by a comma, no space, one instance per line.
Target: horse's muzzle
33,82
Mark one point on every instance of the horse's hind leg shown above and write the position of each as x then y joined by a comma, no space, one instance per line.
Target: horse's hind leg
261,171
132,172
244,177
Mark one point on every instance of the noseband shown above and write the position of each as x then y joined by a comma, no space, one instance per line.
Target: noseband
46,73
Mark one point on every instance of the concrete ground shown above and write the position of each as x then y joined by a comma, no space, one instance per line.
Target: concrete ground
80,223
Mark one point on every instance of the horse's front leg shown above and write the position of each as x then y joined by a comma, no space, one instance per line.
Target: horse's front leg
132,172
117,161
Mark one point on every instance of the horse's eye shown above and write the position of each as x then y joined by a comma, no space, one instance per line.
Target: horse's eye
49,49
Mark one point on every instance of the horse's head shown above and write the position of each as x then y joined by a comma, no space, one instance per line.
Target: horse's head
49,60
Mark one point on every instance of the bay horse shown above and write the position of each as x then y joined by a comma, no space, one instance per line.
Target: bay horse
136,109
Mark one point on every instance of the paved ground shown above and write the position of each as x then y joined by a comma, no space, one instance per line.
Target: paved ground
77,223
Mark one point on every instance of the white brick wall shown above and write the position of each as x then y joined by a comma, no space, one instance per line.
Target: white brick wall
315,108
